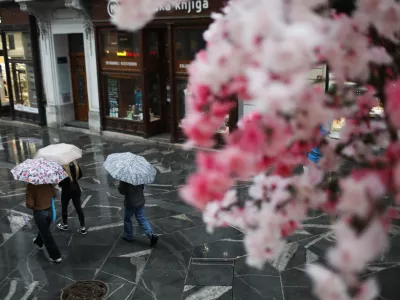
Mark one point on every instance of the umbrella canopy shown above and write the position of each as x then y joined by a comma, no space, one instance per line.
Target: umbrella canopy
130,168
39,171
60,153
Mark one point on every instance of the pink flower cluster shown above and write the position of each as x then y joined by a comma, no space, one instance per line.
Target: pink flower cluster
261,53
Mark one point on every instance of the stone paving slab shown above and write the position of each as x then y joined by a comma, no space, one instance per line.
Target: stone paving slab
187,263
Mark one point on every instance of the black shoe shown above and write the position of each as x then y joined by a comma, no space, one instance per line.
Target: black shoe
153,240
82,230
37,244
62,226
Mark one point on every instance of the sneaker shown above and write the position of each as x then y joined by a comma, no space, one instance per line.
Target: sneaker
56,261
153,240
37,245
82,230
62,226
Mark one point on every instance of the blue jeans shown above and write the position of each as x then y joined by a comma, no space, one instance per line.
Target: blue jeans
140,217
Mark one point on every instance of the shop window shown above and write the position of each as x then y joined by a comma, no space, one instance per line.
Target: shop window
4,99
124,98
19,45
120,44
23,87
188,43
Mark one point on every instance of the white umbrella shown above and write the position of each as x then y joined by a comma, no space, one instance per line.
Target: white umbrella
130,168
60,153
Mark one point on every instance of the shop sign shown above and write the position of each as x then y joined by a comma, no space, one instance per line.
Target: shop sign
28,109
191,8
102,10
115,63
197,6
111,6
120,64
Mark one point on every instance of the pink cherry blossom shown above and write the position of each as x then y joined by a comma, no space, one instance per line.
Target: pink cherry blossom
262,53
327,285
393,102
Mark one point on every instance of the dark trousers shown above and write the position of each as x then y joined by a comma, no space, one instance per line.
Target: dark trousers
43,220
76,201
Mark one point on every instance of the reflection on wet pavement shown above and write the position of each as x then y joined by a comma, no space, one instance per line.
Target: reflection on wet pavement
187,263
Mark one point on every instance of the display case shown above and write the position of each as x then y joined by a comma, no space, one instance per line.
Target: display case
21,87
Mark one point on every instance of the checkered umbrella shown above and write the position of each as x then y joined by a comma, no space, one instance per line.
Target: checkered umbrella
130,168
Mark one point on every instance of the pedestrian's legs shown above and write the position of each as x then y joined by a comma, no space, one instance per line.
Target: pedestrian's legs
76,200
38,240
43,221
143,222
65,198
128,231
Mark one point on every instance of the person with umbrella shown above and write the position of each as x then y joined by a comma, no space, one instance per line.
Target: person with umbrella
66,155
40,175
70,189
133,172
134,205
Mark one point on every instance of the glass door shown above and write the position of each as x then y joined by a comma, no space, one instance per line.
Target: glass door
156,73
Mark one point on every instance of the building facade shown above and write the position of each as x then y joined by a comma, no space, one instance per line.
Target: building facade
68,61
143,75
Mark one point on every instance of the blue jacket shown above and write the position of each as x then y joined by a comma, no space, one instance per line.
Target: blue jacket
315,155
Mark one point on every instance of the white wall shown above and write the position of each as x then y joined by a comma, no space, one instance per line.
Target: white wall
61,47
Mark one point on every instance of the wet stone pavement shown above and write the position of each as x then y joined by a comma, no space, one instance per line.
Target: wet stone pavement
187,263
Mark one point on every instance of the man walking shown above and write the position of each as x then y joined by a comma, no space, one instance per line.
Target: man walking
134,205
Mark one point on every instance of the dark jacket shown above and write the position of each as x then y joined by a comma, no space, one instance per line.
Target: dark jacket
134,195
38,197
71,186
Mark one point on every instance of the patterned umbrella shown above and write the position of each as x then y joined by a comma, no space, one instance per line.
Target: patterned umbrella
60,153
130,168
39,171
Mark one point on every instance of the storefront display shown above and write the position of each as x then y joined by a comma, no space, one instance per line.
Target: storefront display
124,97
4,99
144,74
23,87
20,76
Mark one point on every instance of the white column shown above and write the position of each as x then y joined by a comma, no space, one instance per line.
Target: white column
48,60
92,81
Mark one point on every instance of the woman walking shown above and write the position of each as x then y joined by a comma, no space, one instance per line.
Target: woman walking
134,205
71,190
39,198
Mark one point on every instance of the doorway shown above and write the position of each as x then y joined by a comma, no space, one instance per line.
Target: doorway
78,77
157,81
